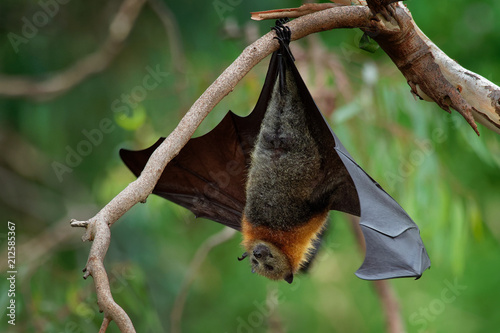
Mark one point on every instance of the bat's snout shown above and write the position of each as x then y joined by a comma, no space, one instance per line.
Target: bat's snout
261,252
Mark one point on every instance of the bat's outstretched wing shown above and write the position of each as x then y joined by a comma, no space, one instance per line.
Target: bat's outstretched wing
393,244
208,176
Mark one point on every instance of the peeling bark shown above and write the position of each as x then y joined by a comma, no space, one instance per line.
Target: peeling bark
399,38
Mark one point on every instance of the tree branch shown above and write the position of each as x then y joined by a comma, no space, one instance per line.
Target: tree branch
60,82
390,304
172,31
141,188
222,236
481,95
95,268
430,73
305,9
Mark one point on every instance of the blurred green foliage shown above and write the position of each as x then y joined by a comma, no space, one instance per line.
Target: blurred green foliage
431,162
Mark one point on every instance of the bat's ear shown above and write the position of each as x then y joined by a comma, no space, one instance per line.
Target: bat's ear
289,278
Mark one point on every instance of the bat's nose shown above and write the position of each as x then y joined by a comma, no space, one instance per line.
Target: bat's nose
261,252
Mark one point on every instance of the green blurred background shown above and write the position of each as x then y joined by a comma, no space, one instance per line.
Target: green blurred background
431,162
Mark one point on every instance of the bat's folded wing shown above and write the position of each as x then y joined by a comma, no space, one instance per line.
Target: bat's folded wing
393,244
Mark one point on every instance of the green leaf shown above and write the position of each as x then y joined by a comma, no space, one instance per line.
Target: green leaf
133,121
458,237
475,219
368,44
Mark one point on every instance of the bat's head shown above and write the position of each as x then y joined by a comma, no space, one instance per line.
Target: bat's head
269,261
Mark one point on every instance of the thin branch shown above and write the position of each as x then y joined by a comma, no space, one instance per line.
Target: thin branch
95,268
62,81
390,305
198,259
141,188
305,9
385,292
104,325
172,30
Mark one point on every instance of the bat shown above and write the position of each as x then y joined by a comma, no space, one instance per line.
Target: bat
275,174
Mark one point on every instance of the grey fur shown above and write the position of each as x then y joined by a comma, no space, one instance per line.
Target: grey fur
286,163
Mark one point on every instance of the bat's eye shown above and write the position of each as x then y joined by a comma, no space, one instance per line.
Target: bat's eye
261,251
255,262
269,267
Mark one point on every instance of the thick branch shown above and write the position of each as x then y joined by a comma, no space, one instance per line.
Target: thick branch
482,96
60,82
431,74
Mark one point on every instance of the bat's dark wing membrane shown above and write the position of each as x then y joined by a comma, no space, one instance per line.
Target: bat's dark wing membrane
201,178
208,176
393,244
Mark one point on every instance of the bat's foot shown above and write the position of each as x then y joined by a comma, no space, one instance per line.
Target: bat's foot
283,35
282,21
283,32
